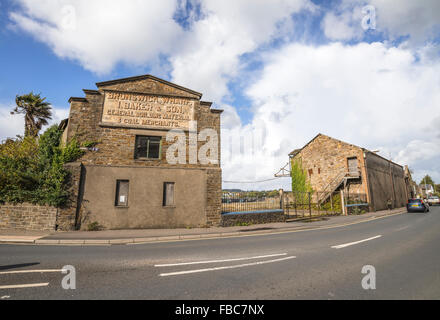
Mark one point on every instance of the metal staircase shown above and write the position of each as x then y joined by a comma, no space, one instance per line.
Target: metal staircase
341,178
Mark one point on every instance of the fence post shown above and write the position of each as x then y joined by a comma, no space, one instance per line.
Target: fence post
343,203
282,200
310,207
331,203
318,205
294,201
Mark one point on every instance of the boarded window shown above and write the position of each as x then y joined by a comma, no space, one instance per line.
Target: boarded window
319,170
122,187
353,166
168,194
310,172
147,147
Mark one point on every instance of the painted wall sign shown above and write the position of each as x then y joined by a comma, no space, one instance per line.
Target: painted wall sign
149,111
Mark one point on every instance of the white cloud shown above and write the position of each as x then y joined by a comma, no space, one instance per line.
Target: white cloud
210,55
10,125
343,26
396,18
365,94
13,125
230,118
101,33
407,17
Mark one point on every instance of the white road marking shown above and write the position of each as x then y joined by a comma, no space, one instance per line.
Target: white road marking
356,242
30,285
223,268
218,261
31,271
5,297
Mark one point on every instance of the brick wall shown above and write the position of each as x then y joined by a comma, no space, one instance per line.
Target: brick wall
27,216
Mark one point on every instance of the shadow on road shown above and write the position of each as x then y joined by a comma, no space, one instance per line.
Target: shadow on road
14,266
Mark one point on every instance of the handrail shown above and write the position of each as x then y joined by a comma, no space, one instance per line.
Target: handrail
340,175
336,182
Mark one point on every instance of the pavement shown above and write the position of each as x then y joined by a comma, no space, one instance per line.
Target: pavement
119,237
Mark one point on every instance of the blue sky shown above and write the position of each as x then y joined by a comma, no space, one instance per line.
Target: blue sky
290,68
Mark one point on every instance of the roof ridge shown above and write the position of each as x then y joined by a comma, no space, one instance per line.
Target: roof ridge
148,76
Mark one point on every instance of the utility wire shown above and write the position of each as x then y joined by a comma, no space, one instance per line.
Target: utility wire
254,181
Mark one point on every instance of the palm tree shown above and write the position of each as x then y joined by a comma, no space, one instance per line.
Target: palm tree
36,112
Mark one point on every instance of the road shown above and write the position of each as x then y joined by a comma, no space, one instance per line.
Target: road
314,264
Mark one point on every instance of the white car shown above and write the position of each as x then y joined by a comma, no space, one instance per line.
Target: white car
434,201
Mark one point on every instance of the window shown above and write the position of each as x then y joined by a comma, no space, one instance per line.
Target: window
147,147
352,165
122,187
168,194
310,172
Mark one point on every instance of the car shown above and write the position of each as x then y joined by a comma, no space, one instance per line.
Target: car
434,200
417,205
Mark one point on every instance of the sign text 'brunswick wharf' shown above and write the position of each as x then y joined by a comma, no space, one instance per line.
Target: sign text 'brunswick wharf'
147,110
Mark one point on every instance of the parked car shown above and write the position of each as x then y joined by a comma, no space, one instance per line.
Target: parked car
434,200
417,205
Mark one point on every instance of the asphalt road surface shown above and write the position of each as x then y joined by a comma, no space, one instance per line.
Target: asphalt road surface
316,264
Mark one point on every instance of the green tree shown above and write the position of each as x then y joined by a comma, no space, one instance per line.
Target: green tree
32,169
427,180
36,112
273,193
19,170
300,182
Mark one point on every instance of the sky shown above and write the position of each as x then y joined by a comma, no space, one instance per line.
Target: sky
365,72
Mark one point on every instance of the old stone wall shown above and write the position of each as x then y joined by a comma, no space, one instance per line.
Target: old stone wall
28,217
68,214
116,145
114,153
213,196
325,158
230,220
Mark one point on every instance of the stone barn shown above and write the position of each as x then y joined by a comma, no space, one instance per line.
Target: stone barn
332,164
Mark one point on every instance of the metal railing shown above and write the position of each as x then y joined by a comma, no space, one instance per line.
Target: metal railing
295,204
308,205
340,178
249,201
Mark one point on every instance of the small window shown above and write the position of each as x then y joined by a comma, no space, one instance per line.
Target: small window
310,172
168,194
122,187
147,147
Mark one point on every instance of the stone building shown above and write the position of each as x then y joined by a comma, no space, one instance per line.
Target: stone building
413,188
332,165
125,178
